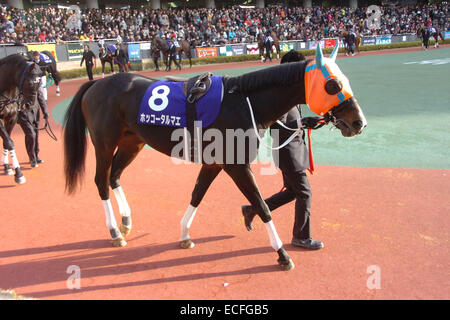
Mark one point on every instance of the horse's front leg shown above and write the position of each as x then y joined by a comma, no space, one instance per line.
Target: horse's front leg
206,176
243,177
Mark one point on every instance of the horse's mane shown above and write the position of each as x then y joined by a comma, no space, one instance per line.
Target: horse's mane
14,60
278,76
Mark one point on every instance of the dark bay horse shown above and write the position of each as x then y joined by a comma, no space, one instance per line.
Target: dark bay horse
250,103
106,56
48,64
20,79
358,40
162,46
434,32
262,45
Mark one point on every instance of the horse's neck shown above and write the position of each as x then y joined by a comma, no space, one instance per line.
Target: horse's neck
8,87
270,105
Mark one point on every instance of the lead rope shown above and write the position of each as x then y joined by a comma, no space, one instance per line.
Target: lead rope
320,123
297,131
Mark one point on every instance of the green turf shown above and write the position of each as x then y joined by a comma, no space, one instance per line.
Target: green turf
407,107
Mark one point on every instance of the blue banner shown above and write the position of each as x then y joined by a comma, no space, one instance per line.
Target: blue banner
134,51
383,39
447,35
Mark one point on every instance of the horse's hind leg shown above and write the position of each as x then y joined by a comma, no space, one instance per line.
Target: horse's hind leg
128,149
244,179
103,70
102,174
206,176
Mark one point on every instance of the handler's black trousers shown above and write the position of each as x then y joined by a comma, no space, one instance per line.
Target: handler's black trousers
426,41
298,189
89,71
29,122
269,51
173,57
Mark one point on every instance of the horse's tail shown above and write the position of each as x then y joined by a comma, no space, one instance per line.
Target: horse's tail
75,140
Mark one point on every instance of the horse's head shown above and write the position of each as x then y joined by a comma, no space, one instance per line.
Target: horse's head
29,82
328,94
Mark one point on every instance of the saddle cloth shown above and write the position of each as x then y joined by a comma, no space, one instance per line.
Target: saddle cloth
45,58
164,104
112,48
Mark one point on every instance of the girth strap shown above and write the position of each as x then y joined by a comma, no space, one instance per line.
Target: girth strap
194,89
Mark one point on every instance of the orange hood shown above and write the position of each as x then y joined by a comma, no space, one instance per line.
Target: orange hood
317,73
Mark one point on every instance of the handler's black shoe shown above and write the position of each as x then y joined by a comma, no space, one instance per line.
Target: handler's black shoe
39,160
309,244
34,164
249,214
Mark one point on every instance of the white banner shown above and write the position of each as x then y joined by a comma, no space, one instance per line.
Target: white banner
252,49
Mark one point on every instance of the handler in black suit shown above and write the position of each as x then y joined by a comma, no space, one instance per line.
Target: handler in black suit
293,160
90,61
122,59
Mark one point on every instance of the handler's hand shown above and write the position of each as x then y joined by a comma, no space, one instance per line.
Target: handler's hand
311,122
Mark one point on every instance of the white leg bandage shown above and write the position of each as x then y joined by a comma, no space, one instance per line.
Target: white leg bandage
124,208
15,162
110,219
5,156
275,241
187,221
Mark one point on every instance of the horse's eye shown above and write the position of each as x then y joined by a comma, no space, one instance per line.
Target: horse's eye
333,86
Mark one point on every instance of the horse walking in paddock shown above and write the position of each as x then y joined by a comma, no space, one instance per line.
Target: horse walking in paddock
161,45
262,46
141,111
106,56
20,79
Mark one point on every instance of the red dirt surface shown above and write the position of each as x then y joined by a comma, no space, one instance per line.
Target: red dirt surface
395,219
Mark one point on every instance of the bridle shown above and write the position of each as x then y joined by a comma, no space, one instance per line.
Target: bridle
8,100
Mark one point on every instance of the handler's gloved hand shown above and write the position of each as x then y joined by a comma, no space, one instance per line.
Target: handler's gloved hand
46,116
311,122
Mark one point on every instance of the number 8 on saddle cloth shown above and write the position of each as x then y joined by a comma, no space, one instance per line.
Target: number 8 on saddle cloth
164,104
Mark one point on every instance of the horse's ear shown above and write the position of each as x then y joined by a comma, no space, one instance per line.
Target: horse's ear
335,51
319,56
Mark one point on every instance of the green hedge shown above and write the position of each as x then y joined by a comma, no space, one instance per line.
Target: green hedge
81,72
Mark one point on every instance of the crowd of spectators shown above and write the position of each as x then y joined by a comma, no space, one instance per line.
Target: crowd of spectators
209,26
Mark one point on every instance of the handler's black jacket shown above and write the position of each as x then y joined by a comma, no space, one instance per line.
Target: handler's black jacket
294,156
89,57
122,57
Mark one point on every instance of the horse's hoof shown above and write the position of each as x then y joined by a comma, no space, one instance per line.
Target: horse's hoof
187,244
119,242
8,170
286,265
124,230
20,180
